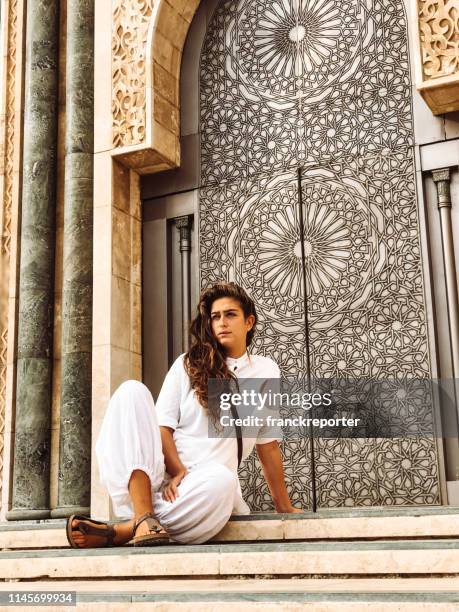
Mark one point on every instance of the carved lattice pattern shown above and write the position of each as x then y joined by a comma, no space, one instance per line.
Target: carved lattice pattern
439,32
326,86
130,24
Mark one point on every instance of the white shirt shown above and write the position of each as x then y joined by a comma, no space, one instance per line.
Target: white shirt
178,408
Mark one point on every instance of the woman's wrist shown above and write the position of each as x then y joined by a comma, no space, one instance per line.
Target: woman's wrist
179,472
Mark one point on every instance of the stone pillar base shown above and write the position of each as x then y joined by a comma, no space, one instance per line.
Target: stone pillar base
67,511
27,515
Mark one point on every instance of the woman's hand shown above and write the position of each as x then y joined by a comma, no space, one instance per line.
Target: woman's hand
170,491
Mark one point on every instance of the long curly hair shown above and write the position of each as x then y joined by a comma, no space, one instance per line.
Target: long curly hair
206,358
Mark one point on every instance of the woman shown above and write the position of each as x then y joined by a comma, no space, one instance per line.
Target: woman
139,441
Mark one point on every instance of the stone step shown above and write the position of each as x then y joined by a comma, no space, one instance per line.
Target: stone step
370,523
325,594
364,558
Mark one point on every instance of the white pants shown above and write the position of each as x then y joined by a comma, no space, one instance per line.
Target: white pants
130,440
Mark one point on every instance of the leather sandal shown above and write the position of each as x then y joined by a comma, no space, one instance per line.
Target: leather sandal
157,533
87,529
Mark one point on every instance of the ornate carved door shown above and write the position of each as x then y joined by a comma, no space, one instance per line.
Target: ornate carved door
323,85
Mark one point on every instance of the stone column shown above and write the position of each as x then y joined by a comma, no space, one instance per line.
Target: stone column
442,180
183,224
30,496
75,409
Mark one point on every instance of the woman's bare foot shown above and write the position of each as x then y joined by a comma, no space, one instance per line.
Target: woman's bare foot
123,533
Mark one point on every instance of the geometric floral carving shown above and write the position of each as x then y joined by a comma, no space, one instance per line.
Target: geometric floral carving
268,117
296,46
131,19
439,34
326,87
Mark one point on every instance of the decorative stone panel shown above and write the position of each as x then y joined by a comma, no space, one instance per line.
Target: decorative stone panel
326,87
438,60
131,19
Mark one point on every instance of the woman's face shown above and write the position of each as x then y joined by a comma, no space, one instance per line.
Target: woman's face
229,325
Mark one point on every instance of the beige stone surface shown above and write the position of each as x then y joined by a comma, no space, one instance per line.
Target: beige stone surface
371,527
121,240
172,564
100,316
165,54
171,24
166,113
102,240
120,366
136,321
136,251
12,324
329,562
253,530
121,187
135,209
265,606
57,371
101,355
121,313
147,160
335,529
135,366
165,86
254,585
342,562
103,123
54,467
189,9
100,501
104,210
102,179
33,538
166,142
442,95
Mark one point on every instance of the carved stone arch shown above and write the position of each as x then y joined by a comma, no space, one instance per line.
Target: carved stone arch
143,44
148,40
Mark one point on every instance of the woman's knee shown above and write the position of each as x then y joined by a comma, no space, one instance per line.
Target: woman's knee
132,386
133,393
222,479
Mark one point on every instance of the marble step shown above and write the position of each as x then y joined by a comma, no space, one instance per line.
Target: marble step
387,594
370,523
363,558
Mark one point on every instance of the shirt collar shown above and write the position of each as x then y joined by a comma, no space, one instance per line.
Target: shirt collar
240,361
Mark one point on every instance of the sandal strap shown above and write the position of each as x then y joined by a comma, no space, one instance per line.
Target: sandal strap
106,531
152,522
